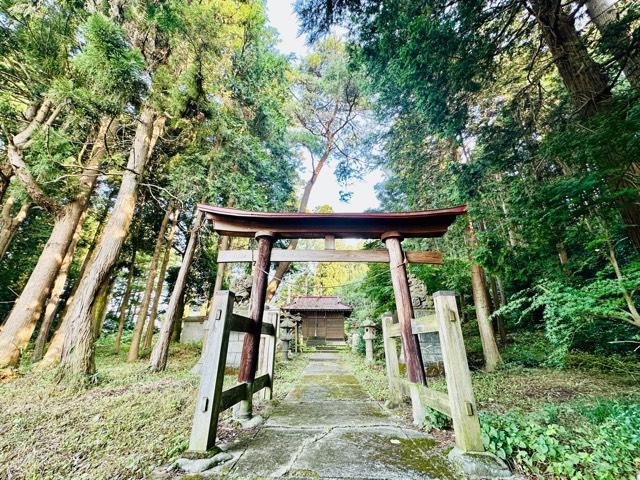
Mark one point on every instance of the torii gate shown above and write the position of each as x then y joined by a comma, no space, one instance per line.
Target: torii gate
391,228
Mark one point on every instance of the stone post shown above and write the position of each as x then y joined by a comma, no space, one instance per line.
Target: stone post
354,340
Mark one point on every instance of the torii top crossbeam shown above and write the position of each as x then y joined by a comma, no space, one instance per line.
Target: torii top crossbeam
241,223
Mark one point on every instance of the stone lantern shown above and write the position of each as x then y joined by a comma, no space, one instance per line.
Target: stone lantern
369,335
286,335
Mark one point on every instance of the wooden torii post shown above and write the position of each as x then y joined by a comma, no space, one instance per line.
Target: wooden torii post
391,228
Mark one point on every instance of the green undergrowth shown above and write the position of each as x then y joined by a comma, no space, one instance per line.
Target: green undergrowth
371,376
577,422
125,424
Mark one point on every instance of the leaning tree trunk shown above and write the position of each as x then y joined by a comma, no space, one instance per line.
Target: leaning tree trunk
604,15
148,291
161,274
160,352
9,223
78,344
283,267
28,307
481,302
54,301
177,326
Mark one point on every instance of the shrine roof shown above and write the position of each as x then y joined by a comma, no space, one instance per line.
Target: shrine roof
241,223
306,303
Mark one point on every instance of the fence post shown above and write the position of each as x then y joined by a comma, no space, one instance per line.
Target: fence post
214,357
267,362
460,390
391,359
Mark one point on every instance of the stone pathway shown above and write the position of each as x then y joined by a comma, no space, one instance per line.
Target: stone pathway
328,427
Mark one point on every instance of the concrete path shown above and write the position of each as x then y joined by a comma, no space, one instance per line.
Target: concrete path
328,427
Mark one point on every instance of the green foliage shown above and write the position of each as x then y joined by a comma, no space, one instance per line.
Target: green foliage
109,68
590,442
586,316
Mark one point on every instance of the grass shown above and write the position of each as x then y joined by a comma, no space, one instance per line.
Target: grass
125,425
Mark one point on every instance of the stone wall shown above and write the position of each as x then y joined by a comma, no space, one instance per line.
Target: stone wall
193,331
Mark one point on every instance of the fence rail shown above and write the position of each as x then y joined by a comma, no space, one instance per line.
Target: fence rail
212,400
459,402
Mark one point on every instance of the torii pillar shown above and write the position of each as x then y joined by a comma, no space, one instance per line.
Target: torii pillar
251,346
410,343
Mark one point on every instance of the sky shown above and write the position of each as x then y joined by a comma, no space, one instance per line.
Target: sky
327,189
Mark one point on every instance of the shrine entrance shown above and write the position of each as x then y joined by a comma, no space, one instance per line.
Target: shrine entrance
391,228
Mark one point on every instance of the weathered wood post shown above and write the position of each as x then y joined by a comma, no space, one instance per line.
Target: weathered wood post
397,264
391,359
267,359
205,419
410,343
461,399
251,345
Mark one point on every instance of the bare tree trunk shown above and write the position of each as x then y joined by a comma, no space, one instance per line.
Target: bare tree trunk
125,302
481,302
28,307
9,224
56,292
604,15
78,345
161,274
160,352
148,291
283,267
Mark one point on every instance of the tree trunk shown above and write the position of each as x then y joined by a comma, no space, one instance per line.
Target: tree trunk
148,290
6,172
604,15
161,274
497,303
586,82
54,351
177,329
631,306
589,89
54,301
224,243
160,352
283,267
481,302
9,224
28,307
100,307
125,302
78,345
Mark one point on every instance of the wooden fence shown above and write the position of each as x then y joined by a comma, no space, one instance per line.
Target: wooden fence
212,400
459,402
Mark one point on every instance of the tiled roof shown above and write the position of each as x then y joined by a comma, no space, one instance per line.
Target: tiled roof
317,303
